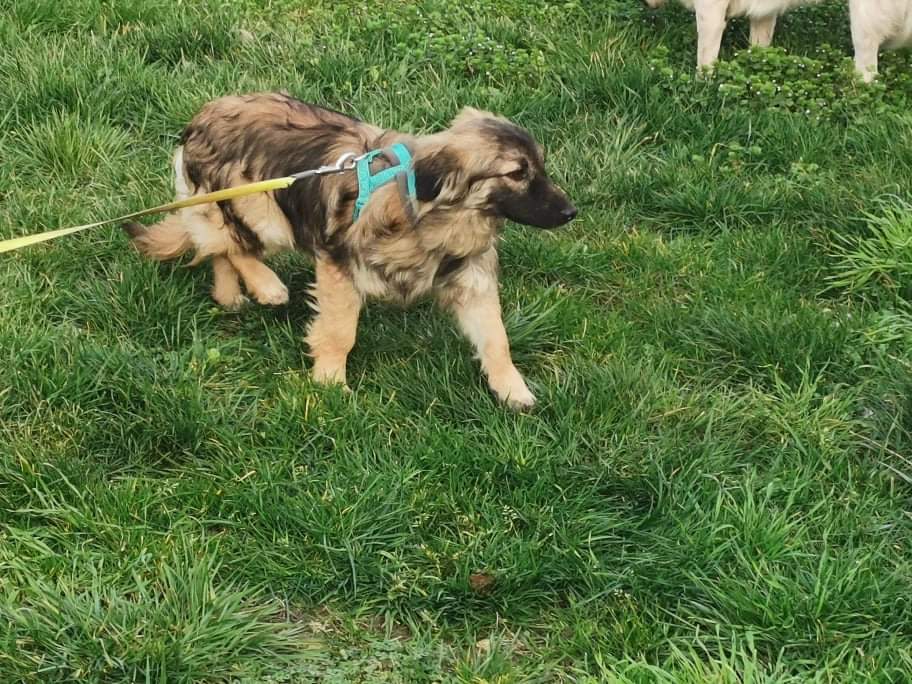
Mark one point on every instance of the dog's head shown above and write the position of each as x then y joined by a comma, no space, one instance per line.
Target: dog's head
486,163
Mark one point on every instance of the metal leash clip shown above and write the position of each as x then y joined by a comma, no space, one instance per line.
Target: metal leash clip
347,162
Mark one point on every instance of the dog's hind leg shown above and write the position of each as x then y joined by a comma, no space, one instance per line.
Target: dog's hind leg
710,27
331,334
762,29
226,284
474,299
260,280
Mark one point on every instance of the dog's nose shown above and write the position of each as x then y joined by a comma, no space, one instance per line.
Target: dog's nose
569,214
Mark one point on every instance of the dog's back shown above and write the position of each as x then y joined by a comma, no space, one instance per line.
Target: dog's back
241,139
764,8
742,8
270,134
886,22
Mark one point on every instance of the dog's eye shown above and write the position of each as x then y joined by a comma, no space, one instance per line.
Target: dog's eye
518,175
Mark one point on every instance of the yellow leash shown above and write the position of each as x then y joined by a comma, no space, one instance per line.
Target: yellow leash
217,196
346,162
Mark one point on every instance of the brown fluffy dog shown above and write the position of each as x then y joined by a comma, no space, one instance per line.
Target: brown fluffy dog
469,179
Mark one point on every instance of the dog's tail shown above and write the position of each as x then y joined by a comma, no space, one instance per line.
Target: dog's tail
167,239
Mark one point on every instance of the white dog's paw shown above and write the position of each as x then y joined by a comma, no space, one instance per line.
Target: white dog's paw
329,374
272,294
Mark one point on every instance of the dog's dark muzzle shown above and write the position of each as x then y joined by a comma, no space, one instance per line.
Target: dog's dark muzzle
568,214
554,212
550,218
543,206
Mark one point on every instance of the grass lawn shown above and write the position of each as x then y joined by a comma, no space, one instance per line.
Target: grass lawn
715,487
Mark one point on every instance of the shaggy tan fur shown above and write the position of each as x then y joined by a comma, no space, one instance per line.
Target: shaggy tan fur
470,178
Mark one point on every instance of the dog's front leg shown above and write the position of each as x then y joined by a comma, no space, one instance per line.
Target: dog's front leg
762,29
332,332
710,27
473,297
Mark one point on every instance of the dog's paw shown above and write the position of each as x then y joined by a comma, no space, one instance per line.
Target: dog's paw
329,374
521,401
273,294
234,302
511,389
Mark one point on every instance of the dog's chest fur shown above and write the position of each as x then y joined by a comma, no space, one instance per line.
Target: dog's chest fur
404,267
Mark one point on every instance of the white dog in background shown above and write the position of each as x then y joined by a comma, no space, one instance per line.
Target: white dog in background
712,16
877,23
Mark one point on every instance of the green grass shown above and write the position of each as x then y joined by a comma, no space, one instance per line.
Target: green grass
716,485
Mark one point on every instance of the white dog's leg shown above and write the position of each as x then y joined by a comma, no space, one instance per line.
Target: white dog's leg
762,29
865,40
710,27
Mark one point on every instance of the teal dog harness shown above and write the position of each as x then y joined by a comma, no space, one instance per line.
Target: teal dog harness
401,171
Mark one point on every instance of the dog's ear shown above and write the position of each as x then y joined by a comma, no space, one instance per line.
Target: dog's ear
468,115
435,171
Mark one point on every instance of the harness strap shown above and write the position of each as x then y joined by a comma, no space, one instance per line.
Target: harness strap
407,193
400,170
